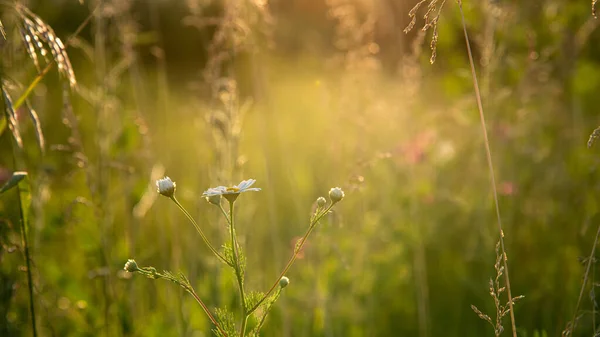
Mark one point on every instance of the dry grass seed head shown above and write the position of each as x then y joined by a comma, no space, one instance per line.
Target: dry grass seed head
431,18
12,116
496,290
593,137
35,33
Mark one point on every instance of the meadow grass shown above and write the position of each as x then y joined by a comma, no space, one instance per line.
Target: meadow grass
409,250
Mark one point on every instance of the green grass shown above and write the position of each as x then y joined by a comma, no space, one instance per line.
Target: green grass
406,253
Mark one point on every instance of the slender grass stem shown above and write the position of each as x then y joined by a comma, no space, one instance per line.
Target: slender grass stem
297,249
24,235
199,230
24,223
488,153
590,262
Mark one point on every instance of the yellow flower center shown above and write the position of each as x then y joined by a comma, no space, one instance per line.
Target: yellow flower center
233,189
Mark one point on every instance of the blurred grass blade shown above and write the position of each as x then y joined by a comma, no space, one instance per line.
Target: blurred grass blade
38,126
22,182
31,86
2,124
2,31
11,115
13,181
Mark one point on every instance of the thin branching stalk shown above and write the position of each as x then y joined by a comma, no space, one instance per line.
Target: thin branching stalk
590,261
488,153
297,249
199,230
206,311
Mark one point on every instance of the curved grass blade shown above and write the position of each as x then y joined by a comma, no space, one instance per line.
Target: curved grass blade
13,181
38,127
2,31
11,115
3,124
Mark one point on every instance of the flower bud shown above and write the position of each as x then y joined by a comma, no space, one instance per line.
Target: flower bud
336,194
131,266
166,187
214,199
284,282
321,202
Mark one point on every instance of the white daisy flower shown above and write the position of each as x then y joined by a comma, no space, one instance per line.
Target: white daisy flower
231,193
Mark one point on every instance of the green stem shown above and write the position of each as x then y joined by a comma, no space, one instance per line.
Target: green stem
153,274
199,230
17,163
297,249
24,234
237,267
266,311
205,308
225,214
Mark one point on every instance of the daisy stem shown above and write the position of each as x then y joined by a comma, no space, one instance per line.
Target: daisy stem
237,267
297,249
225,214
204,238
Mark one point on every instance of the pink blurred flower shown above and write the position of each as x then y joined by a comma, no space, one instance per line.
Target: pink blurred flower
507,188
414,151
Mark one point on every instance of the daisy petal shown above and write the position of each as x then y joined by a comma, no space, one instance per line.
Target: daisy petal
246,183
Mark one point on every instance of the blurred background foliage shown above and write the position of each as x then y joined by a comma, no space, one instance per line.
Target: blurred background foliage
304,95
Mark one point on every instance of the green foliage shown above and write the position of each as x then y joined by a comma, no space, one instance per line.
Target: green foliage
253,298
329,93
227,322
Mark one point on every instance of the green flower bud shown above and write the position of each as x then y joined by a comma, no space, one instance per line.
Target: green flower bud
336,194
131,266
321,202
214,199
166,187
284,282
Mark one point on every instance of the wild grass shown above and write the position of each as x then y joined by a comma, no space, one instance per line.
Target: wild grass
301,95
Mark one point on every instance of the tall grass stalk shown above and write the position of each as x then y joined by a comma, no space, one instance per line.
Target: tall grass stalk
571,327
488,153
17,163
24,226
25,239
